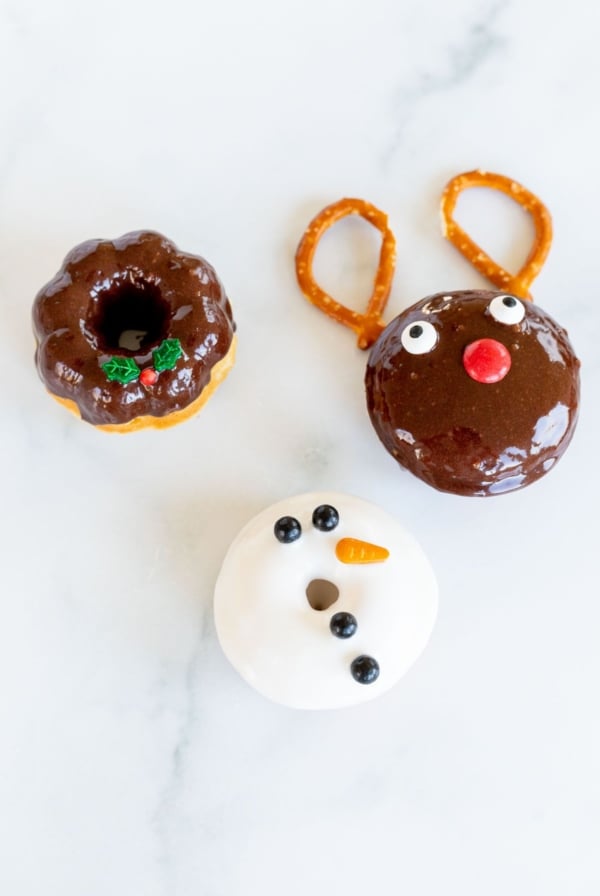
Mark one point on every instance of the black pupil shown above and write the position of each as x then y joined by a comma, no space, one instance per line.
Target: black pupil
325,517
415,331
287,529
509,302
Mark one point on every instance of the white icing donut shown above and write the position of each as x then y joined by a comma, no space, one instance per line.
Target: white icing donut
287,649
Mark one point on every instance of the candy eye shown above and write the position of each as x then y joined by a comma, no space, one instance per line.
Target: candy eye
325,517
287,529
507,310
419,337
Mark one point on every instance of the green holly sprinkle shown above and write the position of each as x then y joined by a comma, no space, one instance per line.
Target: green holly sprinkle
167,354
121,370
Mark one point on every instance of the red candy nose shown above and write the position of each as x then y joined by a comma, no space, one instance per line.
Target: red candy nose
486,361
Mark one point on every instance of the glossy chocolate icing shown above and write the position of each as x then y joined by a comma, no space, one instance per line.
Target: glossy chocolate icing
468,437
139,281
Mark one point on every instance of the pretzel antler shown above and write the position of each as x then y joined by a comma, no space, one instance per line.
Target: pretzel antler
519,283
368,326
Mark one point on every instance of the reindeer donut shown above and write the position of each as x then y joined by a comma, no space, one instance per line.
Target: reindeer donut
476,392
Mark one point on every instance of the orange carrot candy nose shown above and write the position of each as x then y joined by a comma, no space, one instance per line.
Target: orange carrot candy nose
352,550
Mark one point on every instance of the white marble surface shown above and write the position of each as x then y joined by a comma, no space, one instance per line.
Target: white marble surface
133,759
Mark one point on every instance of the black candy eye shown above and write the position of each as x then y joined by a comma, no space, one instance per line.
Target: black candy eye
287,529
343,625
365,669
325,517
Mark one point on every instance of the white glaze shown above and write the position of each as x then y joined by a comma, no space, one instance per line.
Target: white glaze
282,646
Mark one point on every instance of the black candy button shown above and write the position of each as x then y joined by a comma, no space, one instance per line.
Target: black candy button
343,625
325,517
365,669
287,529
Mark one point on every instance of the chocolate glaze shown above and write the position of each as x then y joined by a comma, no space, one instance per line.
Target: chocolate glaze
462,436
77,321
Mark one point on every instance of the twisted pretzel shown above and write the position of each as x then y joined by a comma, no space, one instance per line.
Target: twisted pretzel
519,283
368,326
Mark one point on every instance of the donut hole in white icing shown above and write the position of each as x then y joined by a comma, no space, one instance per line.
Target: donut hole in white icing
130,315
321,594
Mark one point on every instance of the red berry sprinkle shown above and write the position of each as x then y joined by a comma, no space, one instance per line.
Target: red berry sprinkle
148,376
486,360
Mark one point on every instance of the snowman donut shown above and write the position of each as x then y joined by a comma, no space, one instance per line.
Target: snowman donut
324,601
476,392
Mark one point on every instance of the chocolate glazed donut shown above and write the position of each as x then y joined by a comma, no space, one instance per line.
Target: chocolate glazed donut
132,333
475,392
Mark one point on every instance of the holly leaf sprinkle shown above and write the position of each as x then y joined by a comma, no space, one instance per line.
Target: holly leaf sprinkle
167,354
121,370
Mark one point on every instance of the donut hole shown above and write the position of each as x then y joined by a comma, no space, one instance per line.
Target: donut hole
321,594
131,315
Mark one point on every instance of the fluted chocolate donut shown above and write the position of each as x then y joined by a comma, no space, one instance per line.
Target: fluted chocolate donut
133,333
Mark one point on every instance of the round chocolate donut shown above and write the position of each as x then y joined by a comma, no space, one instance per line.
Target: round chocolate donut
475,392
133,333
